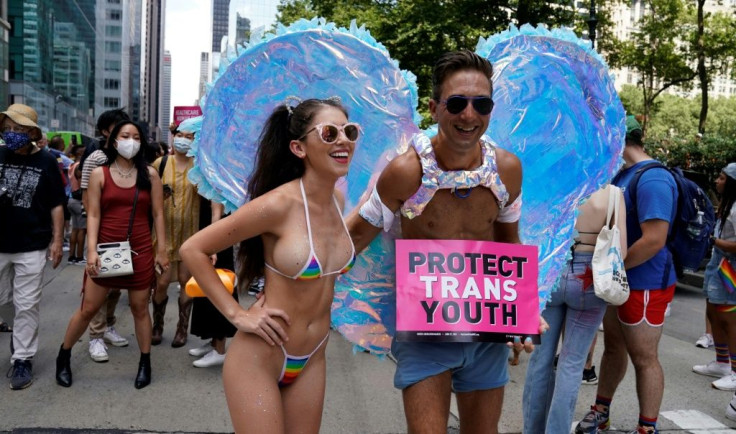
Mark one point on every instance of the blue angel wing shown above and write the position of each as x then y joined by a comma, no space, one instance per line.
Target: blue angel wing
309,59
556,108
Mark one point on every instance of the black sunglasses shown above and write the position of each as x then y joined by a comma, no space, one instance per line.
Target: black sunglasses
457,103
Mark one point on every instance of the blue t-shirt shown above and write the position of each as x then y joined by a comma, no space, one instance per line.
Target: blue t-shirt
656,199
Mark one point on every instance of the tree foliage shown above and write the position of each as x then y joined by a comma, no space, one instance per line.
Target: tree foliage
417,32
674,43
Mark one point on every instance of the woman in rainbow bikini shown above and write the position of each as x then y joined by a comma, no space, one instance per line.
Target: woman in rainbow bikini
292,232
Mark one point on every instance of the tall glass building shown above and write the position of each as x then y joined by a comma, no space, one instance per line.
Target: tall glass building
72,60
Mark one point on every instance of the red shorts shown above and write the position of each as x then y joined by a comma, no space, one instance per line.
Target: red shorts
647,305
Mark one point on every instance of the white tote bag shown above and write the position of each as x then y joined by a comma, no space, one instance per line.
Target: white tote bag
609,275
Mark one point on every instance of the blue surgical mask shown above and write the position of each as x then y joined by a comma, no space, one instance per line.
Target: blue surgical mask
15,141
182,144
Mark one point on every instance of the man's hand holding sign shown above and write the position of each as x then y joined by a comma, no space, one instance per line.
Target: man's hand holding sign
466,291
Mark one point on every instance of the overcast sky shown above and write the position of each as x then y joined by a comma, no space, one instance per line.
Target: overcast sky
188,34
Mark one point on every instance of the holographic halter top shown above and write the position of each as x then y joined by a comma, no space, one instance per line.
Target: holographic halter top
434,178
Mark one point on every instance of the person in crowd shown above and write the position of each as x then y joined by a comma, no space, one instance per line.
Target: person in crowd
461,104
589,376
181,211
31,230
292,229
721,298
706,339
549,397
633,329
56,147
207,321
121,195
102,327
78,215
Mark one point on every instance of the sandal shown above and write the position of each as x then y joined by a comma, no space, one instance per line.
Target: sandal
5,328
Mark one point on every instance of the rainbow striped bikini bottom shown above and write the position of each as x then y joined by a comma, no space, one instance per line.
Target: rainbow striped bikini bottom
294,365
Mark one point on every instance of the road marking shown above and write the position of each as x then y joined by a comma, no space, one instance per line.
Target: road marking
697,422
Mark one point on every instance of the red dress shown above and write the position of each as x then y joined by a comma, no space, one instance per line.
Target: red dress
116,204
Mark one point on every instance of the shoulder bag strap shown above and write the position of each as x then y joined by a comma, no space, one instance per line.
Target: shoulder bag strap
612,204
162,166
132,214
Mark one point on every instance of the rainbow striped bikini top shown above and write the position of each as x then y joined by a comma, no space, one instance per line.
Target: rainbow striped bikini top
312,268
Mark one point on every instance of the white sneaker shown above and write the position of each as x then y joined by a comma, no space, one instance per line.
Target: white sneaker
726,383
213,358
731,408
704,341
112,337
98,350
201,351
713,369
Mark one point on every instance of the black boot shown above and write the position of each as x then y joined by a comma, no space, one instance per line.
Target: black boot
143,378
63,367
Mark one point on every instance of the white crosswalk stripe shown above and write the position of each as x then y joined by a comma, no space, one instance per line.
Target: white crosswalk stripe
696,422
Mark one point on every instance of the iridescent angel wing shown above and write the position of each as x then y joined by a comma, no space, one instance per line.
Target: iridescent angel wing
309,59
557,109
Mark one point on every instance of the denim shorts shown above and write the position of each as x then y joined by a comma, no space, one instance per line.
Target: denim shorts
713,286
474,365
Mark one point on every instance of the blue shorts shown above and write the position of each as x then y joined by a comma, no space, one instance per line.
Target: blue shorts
713,287
474,365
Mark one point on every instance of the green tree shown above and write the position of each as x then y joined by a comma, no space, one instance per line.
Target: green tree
417,32
656,52
713,46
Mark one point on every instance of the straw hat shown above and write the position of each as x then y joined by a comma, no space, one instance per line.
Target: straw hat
23,115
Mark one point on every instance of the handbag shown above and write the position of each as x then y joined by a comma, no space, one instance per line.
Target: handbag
226,276
609,276
116,258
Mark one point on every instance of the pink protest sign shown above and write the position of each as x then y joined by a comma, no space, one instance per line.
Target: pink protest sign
182,113
466,291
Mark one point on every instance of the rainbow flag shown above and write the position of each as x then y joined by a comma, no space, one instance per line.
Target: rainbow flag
728,275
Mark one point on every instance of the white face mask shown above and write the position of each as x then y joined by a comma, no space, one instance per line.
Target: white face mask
128,148
182,144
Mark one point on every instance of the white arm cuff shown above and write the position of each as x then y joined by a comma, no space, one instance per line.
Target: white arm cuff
376,213
510,213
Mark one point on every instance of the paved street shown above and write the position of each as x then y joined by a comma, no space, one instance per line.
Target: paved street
360,396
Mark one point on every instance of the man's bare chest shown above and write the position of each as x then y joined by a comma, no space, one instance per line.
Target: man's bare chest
451,216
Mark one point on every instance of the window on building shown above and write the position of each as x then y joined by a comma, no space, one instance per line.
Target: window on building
114,2
113,31
111,102
113,47
111,83
112,65
114,15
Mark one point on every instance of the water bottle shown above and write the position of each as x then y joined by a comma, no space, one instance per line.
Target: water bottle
695,226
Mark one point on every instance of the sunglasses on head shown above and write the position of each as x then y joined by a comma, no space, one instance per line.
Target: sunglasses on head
457,103
329,132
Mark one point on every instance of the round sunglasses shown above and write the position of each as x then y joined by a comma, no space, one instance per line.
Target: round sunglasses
457,103
329,132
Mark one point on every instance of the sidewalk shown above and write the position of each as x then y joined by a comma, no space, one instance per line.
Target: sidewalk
360,396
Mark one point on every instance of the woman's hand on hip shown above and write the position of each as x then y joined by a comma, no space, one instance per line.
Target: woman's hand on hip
260,320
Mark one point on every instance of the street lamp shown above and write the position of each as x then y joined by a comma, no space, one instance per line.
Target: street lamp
592,23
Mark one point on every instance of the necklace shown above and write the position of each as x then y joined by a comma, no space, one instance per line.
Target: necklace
127,174
459,195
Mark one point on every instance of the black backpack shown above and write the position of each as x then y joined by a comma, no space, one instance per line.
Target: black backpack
695,219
